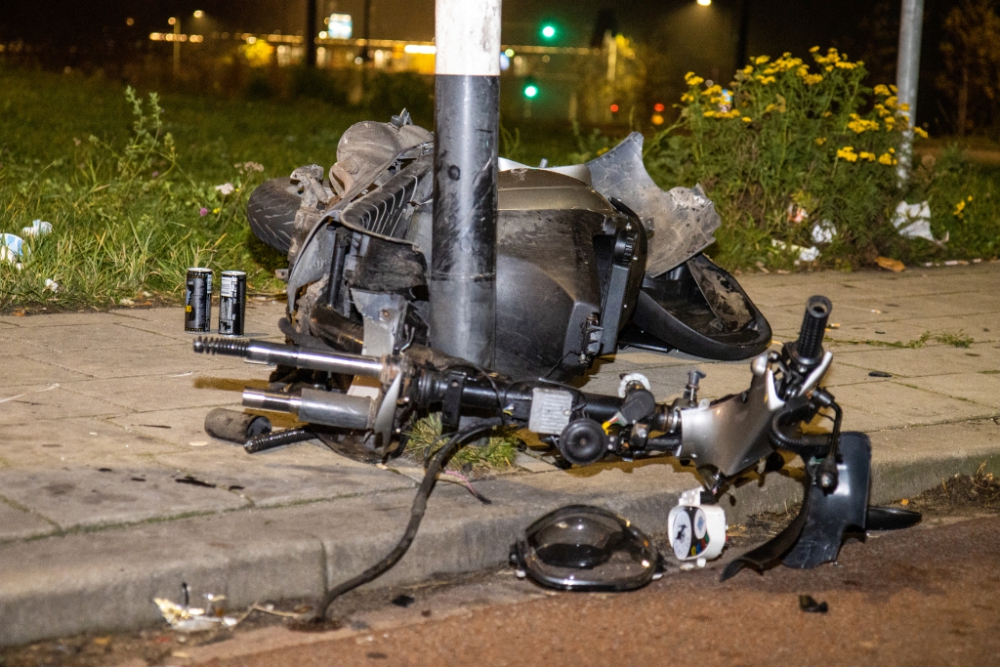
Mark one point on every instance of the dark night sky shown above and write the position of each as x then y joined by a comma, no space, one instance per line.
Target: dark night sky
777,25
692,37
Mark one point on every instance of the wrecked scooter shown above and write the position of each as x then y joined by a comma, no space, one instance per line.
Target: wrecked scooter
721,439
590,258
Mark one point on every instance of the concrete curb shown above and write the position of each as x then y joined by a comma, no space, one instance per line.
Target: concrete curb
105,580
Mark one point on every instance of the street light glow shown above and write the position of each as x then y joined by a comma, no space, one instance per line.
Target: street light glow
198,13
704,3
171,20
548,31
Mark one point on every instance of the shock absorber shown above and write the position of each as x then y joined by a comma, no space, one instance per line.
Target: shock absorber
292,355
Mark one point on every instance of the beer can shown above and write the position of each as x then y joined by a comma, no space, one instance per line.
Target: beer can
232,303
198,301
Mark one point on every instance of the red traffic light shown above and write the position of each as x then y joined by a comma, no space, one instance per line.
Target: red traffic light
614,108
658,107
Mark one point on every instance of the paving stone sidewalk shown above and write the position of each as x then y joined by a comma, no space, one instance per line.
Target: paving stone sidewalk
111,492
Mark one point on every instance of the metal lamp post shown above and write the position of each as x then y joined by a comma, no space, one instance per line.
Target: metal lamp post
908,74
466,118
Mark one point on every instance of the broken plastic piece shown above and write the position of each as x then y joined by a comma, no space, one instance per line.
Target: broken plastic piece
37,228
584,548
192,619
914,221
808,604
11,247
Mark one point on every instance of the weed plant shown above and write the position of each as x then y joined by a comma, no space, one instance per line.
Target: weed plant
496,454
127,220
796,146
137,194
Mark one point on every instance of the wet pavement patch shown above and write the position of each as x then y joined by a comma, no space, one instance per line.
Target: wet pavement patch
403,600
193,481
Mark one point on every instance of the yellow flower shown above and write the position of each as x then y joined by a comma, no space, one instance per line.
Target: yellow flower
687,97
814,49
959,210
760,60
904,107
747,119
892,150
764,80
847,153
827,114
748,70
893,89
846,65
693,80
216,210
710,113
865,155
714,90
885,158
859,125
891,101
969,197
829,68
812,79
881,89
920,132
820,141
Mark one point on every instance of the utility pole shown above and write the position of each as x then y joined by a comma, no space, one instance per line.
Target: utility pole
311,33
911,22
367,35
466,120
742,32
176,22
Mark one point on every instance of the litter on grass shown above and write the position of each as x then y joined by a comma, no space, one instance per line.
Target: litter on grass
810,254
914,221
37,228
11,248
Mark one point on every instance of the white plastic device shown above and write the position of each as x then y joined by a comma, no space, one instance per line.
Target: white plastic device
697,532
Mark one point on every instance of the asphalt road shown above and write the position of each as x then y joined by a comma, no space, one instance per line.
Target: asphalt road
924,596
927,596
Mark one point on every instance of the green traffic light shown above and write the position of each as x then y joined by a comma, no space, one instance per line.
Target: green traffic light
548,31
530,91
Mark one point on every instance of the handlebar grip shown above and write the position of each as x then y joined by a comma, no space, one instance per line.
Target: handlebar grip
813,329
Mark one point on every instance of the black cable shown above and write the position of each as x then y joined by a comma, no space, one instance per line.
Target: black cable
781,440
416,515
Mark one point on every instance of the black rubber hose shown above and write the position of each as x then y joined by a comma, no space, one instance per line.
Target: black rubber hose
267,441
813,329
783,441
416,515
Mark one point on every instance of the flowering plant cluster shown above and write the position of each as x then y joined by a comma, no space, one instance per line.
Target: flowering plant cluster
787,146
